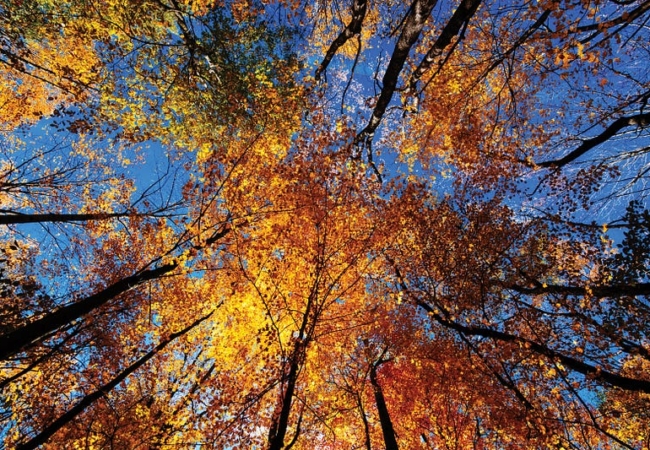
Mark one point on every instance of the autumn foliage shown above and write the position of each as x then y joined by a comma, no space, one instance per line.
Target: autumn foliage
285,224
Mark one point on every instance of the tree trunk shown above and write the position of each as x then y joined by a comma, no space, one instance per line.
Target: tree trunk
382,409
14,341
89,399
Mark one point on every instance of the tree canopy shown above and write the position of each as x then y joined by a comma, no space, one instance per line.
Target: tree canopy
282,224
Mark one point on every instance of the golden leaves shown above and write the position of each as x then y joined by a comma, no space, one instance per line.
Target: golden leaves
473,311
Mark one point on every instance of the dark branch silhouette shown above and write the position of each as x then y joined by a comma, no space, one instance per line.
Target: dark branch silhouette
418,15
390,441
11,218
358,8
16,340
89,399
461,17
620,381
638,120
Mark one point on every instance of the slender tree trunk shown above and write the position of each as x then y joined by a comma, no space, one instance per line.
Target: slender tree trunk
89,399
418,14
279,428
16,218
14,341
358,9
366,426
280,424
461,16
382,409
581,366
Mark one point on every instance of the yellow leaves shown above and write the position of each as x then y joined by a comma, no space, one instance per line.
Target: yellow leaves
262,78
23,101
204,152
625,413
59,69
455,86
304,270
580,50
200,7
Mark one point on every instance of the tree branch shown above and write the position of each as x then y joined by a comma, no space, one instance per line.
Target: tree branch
638,120
620,381
618,290
384,417
461,16
359,8
14,341
16,218
419,13
89,399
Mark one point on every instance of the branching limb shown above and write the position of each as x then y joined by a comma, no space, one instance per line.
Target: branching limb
418,15
638,120
461,17
359,8
91,398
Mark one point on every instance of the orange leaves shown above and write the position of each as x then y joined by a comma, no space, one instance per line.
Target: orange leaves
193,166
22,101
45,68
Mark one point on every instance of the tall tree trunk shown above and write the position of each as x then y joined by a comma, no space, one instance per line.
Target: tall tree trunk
9,218
418,14
384,417
281,423
14,341
89,399
358,9
366,426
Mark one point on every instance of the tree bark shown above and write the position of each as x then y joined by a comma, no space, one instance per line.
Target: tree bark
596,373
16,340
419,13
279,428
461,16
615,291
16,218
359,8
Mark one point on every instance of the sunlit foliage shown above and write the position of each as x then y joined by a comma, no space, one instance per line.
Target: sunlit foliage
286,224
